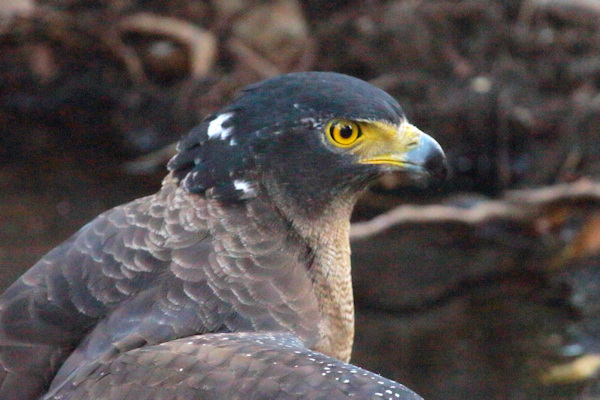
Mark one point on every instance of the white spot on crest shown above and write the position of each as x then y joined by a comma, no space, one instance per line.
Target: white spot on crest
246,187
215,128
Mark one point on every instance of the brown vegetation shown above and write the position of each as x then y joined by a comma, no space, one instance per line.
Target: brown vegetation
489,290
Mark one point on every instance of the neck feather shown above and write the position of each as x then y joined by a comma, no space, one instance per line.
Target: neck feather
327,269
331,275
327,235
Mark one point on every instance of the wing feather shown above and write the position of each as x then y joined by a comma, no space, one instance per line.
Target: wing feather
47,311
231,366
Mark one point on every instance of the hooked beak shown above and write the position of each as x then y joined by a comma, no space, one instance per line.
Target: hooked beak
414,152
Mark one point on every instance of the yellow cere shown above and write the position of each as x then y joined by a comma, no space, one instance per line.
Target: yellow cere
374,142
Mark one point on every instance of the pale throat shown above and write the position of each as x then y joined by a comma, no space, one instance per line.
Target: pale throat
330,273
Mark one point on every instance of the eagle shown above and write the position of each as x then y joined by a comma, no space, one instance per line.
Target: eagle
233,281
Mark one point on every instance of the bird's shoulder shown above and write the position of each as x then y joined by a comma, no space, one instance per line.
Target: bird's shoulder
109,260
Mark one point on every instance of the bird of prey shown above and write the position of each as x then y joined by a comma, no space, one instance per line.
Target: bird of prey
233,280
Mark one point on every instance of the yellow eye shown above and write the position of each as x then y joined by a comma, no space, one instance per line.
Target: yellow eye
343,133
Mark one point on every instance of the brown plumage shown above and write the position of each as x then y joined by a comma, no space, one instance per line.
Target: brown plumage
243,253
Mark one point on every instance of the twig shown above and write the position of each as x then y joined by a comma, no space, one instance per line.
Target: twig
518,203
149,163
201,44
253,60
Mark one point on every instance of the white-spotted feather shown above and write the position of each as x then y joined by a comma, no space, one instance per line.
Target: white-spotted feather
215,128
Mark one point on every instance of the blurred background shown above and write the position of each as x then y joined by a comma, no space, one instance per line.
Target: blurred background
484,288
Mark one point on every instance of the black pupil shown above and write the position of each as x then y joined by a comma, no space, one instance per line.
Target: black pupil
346,131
